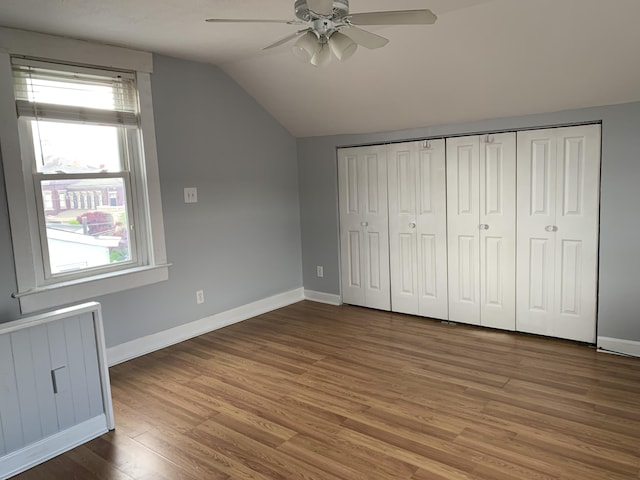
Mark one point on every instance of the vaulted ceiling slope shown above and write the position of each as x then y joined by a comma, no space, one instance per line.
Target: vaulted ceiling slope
481,59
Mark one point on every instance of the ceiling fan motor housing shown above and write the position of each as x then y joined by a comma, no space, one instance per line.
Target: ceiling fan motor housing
304,13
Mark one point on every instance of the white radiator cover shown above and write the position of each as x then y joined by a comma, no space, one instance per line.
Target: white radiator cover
54,385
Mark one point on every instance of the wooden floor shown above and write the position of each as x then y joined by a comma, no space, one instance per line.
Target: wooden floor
319,392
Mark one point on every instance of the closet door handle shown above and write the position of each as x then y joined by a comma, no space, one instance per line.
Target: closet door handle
484,226
551,228
412,225
364,224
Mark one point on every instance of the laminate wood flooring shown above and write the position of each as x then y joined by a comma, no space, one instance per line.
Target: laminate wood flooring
317,392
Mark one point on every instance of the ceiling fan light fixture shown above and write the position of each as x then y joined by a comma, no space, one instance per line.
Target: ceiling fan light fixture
322,57
307,47
342,46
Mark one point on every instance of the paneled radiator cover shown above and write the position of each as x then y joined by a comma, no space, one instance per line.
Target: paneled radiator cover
54,386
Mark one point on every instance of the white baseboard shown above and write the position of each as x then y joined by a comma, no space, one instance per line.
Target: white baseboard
45,449
322,297
619,346
151,343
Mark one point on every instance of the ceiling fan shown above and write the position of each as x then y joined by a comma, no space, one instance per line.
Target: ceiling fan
331,29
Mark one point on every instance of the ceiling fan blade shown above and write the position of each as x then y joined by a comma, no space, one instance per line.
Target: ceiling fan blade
286,39
321,7
244,20
400,17
364,38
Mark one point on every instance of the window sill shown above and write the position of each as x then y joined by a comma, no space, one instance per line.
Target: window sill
52,296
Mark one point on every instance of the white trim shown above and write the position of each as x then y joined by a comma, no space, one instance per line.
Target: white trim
151,343
60,294
14,180
103,367
40,45
35,320
619,346
47,448
322,297
150,178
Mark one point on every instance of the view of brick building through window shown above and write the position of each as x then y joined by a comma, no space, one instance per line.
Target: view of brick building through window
84,198
88,216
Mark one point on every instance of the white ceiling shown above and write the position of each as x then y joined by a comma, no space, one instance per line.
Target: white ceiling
482,58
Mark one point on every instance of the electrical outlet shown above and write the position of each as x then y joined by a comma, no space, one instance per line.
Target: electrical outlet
191,195
320,271
199,297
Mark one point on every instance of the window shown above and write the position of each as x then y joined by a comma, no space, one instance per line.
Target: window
79,129
78,151
62,199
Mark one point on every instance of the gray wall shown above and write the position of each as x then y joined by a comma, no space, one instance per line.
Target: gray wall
619,281
8,307
241,242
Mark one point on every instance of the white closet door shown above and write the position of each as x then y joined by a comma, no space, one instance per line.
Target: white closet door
558,202
432,230
537,169
403,233
463,214
577,206
498,231
417,228
364,227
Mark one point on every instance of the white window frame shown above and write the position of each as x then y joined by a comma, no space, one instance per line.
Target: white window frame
33,292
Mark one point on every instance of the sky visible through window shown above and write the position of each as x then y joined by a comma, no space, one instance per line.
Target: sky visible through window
75,148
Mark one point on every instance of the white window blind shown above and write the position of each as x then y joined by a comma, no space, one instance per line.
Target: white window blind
78,95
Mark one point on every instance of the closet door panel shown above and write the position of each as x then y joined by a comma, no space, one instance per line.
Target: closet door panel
407,266
364,231
417,228
558,204
538,264
498,230
376,228
577,213
351,233
536,193
432,230
463,213
431,275
494,301
355,262
467,283
403,191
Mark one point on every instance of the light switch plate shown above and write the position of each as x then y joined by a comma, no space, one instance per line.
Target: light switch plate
190,195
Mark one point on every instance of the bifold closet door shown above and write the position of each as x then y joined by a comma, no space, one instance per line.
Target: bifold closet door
481,208
364,226
418,228
558,203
